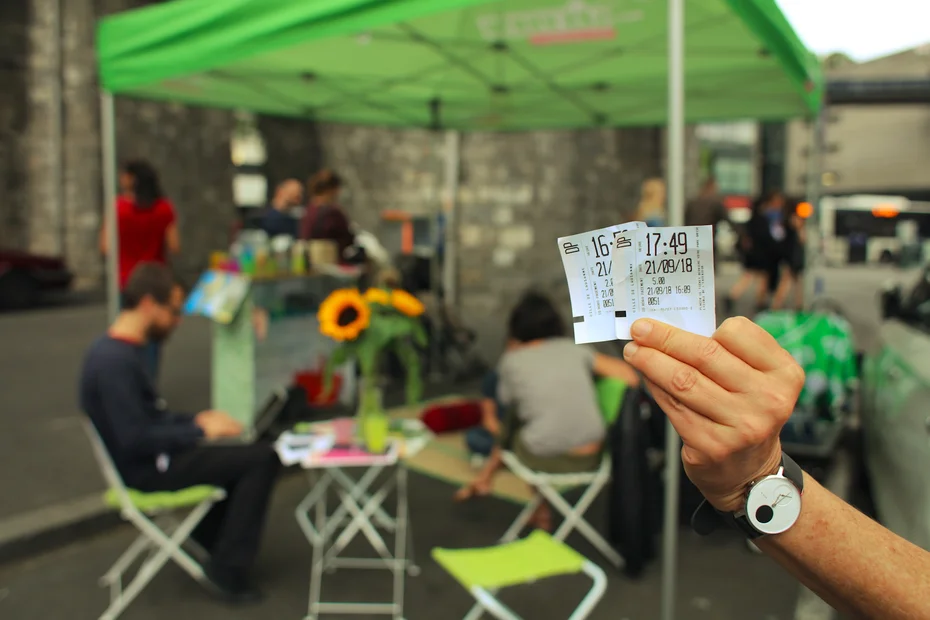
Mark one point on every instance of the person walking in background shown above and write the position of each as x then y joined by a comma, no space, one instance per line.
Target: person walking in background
325,219
707,210
651,208
761,248
793,259
277,219
147,231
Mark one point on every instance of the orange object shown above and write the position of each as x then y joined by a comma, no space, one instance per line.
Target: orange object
312,383
406,228
805,210
886,211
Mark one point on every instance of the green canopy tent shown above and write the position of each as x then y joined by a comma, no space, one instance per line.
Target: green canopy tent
469,65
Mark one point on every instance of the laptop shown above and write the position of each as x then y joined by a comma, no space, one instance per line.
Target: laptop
263,421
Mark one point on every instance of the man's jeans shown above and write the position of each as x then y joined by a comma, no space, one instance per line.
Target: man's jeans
478,439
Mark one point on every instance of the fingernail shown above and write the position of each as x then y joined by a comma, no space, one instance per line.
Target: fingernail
641,328
630,349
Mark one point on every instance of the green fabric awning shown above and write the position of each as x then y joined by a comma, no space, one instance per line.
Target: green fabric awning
461,64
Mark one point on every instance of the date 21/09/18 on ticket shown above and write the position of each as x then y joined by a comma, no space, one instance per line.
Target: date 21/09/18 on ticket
661,273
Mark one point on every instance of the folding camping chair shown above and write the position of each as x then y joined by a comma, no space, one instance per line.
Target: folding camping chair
161,534
485,571
549,487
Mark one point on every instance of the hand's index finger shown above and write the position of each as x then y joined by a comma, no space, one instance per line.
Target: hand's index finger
752,344
704,354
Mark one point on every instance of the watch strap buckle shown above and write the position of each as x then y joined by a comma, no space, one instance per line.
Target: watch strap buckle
706,520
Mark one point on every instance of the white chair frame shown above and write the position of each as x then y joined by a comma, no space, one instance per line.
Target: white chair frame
488,602
548,487
161,536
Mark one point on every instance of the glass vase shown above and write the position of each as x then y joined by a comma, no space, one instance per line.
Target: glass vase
371,422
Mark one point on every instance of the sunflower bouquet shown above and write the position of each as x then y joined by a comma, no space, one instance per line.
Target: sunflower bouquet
367,324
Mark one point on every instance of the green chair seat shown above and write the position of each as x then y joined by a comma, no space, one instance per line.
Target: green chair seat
163,500
523,561
610,393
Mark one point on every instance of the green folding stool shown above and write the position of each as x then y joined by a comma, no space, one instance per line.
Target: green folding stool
538,556
161,535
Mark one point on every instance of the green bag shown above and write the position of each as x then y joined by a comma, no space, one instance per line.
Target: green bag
823,345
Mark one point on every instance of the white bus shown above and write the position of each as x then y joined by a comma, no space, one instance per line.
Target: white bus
872,229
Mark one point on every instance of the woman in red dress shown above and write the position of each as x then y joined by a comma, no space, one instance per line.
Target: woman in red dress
147,229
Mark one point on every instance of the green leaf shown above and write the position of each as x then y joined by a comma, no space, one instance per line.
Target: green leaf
419,334
338,357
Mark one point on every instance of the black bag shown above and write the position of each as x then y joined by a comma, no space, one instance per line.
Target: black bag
689,497
634,502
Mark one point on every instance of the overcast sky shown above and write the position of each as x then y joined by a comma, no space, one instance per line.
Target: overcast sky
863,29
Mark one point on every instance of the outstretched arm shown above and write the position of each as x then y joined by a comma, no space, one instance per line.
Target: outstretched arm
615,368
852,562
728,397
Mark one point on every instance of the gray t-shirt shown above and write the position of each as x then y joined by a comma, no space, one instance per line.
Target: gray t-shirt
551,388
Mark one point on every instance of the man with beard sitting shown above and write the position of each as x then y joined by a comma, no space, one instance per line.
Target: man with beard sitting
156,449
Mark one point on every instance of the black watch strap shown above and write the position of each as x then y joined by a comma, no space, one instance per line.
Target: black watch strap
706,519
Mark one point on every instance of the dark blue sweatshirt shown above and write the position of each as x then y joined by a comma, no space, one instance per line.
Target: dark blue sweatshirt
136,427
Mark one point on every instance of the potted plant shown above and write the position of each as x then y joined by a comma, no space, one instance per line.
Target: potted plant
365,326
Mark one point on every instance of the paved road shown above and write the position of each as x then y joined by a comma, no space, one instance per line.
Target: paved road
720,579
44,455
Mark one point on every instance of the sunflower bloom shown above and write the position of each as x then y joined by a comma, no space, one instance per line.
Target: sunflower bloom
343,315
406,303
378,296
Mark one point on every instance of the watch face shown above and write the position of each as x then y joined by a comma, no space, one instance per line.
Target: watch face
773,505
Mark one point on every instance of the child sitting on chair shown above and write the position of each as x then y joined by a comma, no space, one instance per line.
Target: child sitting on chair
541,403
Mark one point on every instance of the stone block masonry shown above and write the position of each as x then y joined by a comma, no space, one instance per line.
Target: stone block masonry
517,192
15,46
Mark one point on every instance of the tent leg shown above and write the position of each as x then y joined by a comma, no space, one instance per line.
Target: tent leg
108,146
450,265
443,275
676,195
813,275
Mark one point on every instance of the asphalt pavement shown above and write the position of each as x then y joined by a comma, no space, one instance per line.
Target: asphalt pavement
720,579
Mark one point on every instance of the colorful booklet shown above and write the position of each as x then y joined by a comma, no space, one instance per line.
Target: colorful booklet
218,295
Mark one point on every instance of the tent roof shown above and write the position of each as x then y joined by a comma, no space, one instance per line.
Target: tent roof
462,64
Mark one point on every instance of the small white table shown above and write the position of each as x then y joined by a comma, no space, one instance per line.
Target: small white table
360,509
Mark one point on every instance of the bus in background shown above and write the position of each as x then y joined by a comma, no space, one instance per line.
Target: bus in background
873,229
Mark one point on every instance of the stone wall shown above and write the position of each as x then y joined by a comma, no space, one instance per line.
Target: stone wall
188,146
517,194
15,50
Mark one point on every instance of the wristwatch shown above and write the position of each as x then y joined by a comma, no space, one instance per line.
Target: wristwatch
773,505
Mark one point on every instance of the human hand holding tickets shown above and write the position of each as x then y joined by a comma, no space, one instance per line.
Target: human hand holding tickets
217,424
728,396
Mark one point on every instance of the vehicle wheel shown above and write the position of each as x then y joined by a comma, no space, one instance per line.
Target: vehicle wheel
18,291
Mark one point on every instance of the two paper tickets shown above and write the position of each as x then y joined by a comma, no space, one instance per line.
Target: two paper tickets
626,272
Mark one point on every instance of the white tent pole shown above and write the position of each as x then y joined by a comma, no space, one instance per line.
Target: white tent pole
676,207
450,265
108,147
814,279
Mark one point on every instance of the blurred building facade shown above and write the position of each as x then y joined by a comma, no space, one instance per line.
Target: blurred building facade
868,149
730,153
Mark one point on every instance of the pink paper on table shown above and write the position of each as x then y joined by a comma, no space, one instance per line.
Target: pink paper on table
352,455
